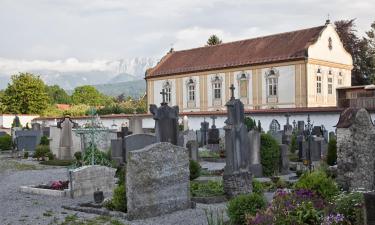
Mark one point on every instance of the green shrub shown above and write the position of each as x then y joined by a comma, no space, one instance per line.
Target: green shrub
100,157
78,156
6,142
41,151
243,205
119,198
44,140
207,189
351,206
26,155
250,123
257,187
195,169
270,154
319,182
293,144
332,152
50,156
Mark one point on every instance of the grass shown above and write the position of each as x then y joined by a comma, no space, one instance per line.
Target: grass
209,154
57,162
48,213
99,220
13,165
206,189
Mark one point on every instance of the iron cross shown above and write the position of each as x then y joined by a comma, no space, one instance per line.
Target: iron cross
232,91
163,94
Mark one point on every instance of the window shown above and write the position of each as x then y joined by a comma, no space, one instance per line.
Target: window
339,81
318,84
167,89
272,82
191,89
329,85
243,85
217,90
330,43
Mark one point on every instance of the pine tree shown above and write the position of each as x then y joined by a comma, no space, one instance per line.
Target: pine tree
214,40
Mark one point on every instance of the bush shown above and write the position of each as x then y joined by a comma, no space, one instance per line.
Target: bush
44,140
243,205
351,206
100,157
332,152
26,155
6,142
319,182
119,198
293,144
257,187
41,151
195,169
78,156
270,156
206,189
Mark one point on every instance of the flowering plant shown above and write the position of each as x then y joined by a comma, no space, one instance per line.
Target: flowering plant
59,185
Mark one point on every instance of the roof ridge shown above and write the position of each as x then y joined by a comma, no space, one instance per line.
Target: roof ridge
255,38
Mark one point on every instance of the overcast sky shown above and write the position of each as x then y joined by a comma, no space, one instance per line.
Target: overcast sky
89,30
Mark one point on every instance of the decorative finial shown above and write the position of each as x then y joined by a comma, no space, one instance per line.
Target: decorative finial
232,91
328,21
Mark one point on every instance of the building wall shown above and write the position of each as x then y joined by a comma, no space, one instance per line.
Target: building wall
6,120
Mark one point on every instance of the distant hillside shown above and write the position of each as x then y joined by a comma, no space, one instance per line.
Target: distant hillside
135,88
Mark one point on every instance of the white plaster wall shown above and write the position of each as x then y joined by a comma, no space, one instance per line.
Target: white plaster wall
185,95
320,50
210,90
286,86
7,120
158,86
249,88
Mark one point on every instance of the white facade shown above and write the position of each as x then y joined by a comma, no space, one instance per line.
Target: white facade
6,120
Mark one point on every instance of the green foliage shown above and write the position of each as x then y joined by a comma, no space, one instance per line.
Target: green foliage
257,187
212,219
6,142
78,156
213,40
332,152
351,206
87,95
41,151
128,106
25,94
243,205
100,157
306,213
260,129
206,189
57,95
57,162
16,122
208,154
26,155
250,123
119,198
293,144
195,169
319,182
44,140
270,156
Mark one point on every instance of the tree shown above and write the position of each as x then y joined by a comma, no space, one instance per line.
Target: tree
87,95
214,40
370,40
363,68
26,94
58,95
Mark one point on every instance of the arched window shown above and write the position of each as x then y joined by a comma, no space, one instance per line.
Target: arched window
216,89
272,78
190,87
167,87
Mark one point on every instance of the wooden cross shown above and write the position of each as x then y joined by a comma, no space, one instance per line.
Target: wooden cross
163,94
232,91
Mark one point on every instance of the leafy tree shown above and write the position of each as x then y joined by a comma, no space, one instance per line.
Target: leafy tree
269,152
58,95
87,95
25,94
214,40
370,40
250,123
332,152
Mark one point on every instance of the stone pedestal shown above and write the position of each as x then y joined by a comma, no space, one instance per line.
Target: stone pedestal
237,183
284,159
65,153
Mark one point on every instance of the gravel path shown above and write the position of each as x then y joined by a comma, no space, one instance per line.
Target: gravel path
21,208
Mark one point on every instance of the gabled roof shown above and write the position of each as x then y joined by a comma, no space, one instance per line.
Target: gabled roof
268,49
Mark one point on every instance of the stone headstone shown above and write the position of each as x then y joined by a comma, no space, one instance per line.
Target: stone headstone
66,138
135,125
284,159
36,126
317,131
254,148
192,147
316,148
369,208
166,122
355,150
185,136
157,180
204,131
237,177
117,151
27,139
274,126
46,131
300,126
138,141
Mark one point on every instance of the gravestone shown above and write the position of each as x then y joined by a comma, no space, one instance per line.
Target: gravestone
275,132
204,130
135,125
254,148
192,147
355,150
287,132
213,136
66,138
284,159
237,178
157,180
301,127
316,148
185,136
36,126
369,208
185,123
27,139
166,121
117,151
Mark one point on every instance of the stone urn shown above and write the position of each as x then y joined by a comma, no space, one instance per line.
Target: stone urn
98,197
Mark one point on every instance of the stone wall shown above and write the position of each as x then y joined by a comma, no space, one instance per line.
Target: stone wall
157,180
87,179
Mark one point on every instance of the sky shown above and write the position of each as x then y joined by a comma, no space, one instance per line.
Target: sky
80,34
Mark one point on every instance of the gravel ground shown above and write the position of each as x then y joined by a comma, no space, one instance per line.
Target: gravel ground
21,208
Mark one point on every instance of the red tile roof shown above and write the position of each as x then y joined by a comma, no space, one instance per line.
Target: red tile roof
268,49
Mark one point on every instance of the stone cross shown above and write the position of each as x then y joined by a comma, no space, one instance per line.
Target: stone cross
294,124
232,91
213,121
163,94
287,118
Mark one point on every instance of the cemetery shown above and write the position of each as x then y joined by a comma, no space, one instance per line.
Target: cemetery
296,173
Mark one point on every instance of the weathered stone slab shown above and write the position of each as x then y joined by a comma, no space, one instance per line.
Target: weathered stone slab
157,180
27,139
88,179
284,159
254,148
192,147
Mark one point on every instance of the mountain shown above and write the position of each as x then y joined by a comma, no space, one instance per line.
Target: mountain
123,77
135,89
